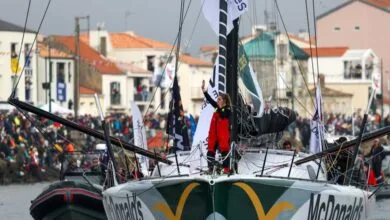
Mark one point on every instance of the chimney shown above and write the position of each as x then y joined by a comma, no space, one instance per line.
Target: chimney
103,46
322,80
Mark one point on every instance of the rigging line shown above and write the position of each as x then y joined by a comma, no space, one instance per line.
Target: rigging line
29,52
311,51
172,102
315,39
293,50
164,70
299,102
21,44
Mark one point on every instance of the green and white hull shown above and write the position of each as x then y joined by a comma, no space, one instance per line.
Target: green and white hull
235,197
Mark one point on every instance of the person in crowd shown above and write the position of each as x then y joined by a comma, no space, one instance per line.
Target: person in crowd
95,166
377,156
219,132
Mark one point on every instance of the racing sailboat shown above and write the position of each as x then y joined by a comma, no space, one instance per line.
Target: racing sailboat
268,184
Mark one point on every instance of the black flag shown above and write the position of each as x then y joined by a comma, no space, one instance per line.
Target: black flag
176,126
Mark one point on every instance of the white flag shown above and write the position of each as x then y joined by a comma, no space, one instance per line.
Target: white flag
211,12
316,125
139,135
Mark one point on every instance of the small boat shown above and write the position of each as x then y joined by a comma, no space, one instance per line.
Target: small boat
77,195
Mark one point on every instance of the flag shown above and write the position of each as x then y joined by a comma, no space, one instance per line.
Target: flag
139,135
193,125
316,124
248,77
211,10
176,126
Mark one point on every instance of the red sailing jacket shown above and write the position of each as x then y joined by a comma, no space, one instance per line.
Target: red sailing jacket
219,132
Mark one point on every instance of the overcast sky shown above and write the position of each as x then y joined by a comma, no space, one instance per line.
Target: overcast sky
157,19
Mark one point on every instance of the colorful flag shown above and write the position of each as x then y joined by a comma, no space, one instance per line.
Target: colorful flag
248,77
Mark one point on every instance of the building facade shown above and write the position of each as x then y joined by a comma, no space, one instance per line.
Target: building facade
360,24
144,60
15,57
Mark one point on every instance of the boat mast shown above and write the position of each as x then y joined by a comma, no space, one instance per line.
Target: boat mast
232,75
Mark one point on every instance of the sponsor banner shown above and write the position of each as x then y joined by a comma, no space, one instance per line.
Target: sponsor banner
261,198
211,12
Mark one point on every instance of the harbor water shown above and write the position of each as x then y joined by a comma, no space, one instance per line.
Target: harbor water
15,201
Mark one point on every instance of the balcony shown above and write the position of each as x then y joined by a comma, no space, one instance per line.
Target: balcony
142,97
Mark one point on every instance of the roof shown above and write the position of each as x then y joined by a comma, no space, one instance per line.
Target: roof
127,67
6,26
194,61
379,4
327,92
89,55
54,53
263,47
130,40
326,51
356,54
87,91
295,37
208,48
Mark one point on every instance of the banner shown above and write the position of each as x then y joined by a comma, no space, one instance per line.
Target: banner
176,126
211,12
249,80
316,125
139,135
61,92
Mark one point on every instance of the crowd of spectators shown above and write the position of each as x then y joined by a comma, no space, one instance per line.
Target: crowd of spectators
25,149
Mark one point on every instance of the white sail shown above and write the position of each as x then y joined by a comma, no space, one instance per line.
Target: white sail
140,136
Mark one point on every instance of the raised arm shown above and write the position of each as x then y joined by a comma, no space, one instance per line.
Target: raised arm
208,98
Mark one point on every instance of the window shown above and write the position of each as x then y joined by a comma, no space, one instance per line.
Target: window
357,28
282,51
150,60
336,28
60,72
69,72
27,56
28,83
14,59
352,69
115,93
14,78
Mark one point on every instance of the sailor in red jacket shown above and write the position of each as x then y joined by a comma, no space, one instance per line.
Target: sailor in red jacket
219,133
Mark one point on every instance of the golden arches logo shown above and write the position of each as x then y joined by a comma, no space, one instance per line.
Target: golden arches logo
164,208
273,212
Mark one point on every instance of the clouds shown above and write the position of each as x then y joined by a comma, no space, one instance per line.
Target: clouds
156,19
